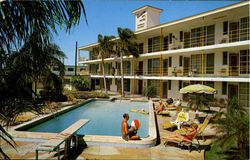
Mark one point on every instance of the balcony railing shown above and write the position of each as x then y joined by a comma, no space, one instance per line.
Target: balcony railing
216,71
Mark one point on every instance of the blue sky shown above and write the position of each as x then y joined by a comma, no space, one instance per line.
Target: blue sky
105,16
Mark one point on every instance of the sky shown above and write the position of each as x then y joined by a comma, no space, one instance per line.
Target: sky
104,17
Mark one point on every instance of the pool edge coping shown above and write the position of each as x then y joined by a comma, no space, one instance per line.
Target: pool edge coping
149,141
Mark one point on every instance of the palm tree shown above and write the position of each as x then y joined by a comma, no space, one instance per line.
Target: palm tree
233,130
18,19
126,45
105,45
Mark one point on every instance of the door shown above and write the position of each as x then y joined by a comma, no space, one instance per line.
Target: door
186,66
165,43
92,84
234,31
165,89
165,67
232,91
233,65
186,39
140,86
140,68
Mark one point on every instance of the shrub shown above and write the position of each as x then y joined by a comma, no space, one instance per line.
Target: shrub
149,91
80,83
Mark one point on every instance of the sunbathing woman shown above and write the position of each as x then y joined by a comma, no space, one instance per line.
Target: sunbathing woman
160,107
175,104
187,137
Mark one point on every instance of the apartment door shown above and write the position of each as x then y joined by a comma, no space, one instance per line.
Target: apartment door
92,84
165,89
140,68
234,31
141,48
140,82
233,64
165,67
165,43
186,39
186,66
232,91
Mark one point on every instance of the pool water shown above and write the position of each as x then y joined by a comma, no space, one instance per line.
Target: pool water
105,118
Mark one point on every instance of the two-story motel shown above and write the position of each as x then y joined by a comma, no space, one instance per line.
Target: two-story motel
210,48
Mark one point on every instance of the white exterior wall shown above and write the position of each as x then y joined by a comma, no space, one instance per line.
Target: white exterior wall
153,18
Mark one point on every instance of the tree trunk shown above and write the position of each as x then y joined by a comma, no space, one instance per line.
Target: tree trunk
104,77
122,75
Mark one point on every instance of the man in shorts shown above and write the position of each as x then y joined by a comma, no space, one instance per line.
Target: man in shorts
126,134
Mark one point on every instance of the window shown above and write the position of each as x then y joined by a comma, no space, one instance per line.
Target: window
196,35
181,36
170,38
127,67
225,28
224,58
71,69
244,28
196,63
169,85
141,48
180,85
170,61
127,85
154,44
210,35
244,62
210,97
156,84
224,88
210,63
244,94
154,66
180,60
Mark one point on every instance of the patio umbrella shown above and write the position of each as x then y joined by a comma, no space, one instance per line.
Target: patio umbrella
198,91
198,88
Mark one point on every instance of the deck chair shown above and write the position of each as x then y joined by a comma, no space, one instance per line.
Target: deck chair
182,117
71,97
200,129
164,112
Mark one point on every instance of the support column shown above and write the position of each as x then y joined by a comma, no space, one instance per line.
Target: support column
161,73
78,62
203,44
133,80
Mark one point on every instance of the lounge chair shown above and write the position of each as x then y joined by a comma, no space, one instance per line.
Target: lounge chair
164,112
200,129
182,117
194,144
71,97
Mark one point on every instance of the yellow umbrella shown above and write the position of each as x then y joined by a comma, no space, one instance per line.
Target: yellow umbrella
198,88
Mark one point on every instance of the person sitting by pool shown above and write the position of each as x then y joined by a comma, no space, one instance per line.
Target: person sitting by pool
175,104
189,135
160,107
128,134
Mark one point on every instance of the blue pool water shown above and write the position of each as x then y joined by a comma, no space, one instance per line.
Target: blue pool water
105,118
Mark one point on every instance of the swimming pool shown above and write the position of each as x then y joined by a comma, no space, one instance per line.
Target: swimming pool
104,117
148,130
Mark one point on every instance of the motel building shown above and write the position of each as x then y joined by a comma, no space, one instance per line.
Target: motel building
210,48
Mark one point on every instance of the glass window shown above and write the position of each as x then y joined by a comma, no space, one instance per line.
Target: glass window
154,66
210,63
244,62
196,63
154,44
71,69
210,35
97,82
180,60
224,88
170,61
196,34
244,28
224,58
244,94
225,28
